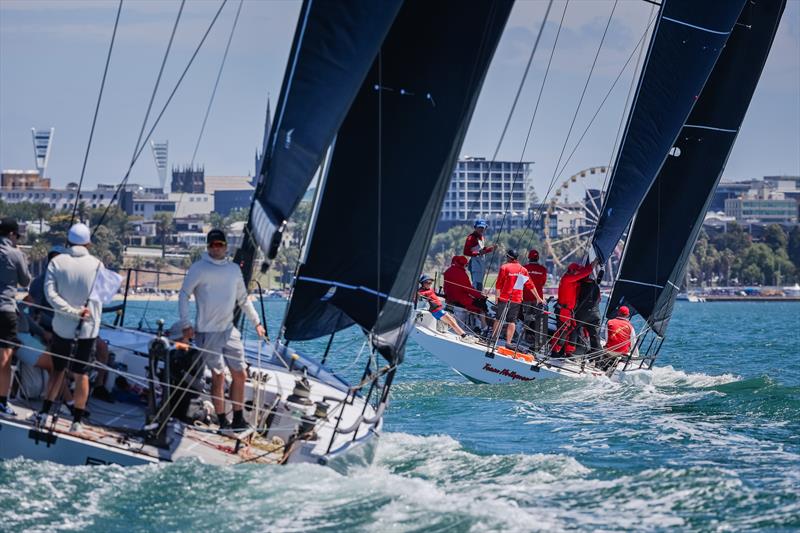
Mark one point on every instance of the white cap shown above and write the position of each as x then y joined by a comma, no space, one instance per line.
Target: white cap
79,234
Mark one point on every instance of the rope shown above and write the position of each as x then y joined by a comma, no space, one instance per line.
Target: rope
539,212
161,114
96,112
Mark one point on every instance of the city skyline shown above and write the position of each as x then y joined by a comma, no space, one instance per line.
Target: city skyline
52,56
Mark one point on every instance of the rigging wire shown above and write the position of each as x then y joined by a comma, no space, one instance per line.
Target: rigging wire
583,95
540,210
161,113
516,173
96,112
522,82
208,110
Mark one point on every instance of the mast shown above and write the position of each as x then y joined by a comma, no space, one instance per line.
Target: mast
667,225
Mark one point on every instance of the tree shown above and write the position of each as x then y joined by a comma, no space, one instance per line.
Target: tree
793,246
164,226
775,237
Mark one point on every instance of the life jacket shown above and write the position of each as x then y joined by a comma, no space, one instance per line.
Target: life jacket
620,332
568,286
458,288
433,300
538,275
511,280
474,244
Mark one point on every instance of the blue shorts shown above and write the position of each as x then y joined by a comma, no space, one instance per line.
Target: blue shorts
438,314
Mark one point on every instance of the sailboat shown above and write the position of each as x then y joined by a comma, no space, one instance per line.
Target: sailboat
702,68
378,98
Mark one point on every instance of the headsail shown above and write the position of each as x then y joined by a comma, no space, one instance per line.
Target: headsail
390,168
334,46
669,220
688,38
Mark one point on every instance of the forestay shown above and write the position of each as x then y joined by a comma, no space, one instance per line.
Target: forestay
334,46
389,171
688,38
669,220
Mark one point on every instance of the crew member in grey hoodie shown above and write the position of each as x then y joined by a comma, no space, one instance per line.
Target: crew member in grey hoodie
13,272
218,286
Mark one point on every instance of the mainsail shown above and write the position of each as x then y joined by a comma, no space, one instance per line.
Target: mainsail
688,38
667,224
334,46
389,171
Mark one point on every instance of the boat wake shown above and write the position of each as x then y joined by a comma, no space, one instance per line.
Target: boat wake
429,481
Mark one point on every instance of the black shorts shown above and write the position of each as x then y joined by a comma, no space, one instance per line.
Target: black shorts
8,328
513,311
78,362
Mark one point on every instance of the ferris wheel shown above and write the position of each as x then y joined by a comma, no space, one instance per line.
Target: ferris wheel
571,216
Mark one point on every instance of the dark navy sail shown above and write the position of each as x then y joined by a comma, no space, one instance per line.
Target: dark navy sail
334,46
687,41
670,218
390,168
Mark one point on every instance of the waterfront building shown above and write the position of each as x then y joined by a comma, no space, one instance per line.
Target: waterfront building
21,180
488,189
772,209
188,179
188,204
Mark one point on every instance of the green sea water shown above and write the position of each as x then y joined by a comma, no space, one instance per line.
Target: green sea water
712,442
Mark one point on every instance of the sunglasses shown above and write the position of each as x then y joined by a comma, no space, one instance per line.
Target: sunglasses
217,244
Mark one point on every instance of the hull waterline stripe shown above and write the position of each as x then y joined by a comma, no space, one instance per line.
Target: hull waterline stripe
709,128
640,283
682,23
355,288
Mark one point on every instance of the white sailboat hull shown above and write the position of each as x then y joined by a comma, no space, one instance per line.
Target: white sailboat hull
112,434
479,364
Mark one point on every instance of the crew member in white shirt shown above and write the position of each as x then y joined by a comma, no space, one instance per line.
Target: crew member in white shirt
218,287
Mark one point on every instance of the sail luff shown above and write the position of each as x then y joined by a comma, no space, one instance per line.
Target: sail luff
671,216
688,40
333,49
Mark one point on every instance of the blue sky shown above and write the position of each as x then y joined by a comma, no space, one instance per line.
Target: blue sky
52,55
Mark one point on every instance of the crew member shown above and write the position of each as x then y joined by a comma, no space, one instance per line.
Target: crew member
458,289
621,334
563,343
512,279
475,249
76,321
41,314
587,311
534,308
218,287
13,272
436,308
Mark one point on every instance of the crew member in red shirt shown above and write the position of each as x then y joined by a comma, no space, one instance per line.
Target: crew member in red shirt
458,289
534,308
512,279
567,298
621,334
435,306
475,249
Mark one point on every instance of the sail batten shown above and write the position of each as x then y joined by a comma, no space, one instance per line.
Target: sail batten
689,37
390,169
671,216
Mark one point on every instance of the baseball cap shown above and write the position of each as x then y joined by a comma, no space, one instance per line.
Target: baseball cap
216,235
512,253
8,225
79,234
